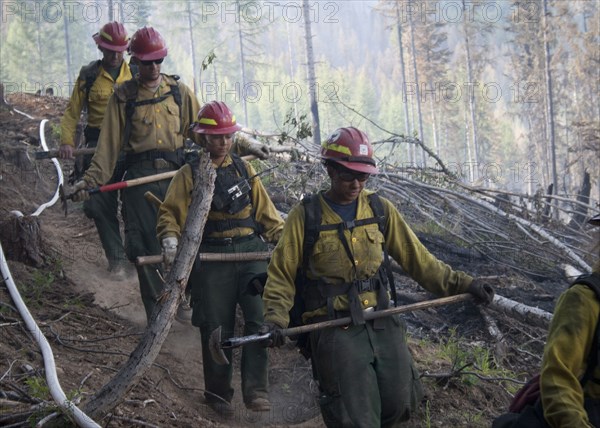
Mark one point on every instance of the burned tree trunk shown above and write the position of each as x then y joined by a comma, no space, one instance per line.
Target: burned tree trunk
583,196
3,104
147,350
22,240
312,79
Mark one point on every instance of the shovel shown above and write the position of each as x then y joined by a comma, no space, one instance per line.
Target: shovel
216,345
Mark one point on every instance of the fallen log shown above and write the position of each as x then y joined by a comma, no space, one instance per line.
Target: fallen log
528,314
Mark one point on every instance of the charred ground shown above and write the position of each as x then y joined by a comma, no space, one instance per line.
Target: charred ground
93,321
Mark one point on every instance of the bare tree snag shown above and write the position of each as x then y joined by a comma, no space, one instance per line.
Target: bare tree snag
3,104
147,350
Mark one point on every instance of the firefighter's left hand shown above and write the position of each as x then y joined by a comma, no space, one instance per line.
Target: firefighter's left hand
261,151
482,291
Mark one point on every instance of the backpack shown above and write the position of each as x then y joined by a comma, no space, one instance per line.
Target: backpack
526,401
220,196
130,90
312,231
89,74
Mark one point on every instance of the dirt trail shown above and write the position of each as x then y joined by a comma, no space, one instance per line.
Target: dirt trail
75,240
93,321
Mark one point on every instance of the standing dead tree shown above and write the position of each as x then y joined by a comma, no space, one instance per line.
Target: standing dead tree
147,350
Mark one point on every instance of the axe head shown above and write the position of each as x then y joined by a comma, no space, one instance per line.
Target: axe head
214,346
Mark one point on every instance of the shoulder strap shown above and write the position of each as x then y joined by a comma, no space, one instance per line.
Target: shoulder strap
176,93
89,74
130,88
193,158
380,215
131,91
312,224
591,280
239,165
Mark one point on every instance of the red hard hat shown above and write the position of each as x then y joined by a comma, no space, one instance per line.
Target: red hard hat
350,148
215,118
112,36
147,44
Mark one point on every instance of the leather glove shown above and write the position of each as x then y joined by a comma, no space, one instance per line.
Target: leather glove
169,247
482,291
80,192
276,339
261,151
65,151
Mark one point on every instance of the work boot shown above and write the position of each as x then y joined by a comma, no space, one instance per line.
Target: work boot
122,272
223,408
184,311
258,404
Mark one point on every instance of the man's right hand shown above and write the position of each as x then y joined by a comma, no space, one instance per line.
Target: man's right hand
276,339
65,151
169,247
80,192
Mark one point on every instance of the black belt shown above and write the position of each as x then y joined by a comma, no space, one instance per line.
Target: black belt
336,315
175,157
228,241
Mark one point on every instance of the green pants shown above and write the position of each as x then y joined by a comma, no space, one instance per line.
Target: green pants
140,229
103,209
366,376
216,290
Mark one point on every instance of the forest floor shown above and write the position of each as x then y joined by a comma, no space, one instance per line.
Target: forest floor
94,320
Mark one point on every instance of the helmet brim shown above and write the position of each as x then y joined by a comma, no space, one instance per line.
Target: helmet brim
358,166
161,53
201,129
100,42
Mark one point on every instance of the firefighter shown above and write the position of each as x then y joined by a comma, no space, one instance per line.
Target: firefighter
569,383
237,222
147,118
365,372
92,90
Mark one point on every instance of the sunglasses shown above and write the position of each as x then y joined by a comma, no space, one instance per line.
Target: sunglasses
152,61
348,176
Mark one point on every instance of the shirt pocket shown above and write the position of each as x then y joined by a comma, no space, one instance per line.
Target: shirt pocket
172,118
329,258
370,249
142,127
99,95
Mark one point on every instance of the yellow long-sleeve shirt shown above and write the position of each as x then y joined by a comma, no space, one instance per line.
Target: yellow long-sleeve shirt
569,342
330,261
174,209
153,127
100,93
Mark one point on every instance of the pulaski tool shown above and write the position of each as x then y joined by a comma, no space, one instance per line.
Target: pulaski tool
216,345
54,153
116,186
